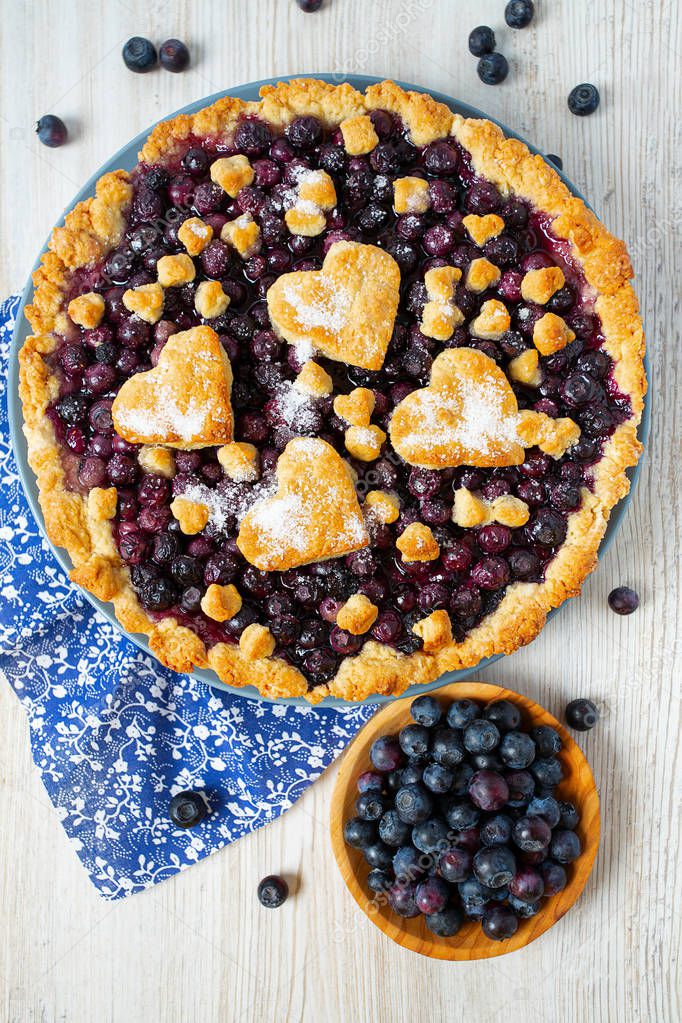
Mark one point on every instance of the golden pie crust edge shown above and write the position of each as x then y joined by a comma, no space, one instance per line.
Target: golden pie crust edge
96,225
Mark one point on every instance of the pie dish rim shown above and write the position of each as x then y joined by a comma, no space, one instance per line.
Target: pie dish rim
188,642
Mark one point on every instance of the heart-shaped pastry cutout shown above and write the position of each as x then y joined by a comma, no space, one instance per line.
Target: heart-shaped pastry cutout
314,514
467,415
184,402
346,310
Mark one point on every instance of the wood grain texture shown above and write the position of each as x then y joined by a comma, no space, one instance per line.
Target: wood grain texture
200,947
470,943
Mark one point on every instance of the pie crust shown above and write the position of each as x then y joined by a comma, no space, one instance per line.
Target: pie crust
82,524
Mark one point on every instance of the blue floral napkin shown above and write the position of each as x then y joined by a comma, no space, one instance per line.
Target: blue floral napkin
114,735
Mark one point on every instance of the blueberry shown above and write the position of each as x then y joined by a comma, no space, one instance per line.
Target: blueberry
565,846
623,600
519,13
505,714
461,814
413,803
521,787
481,736
432,895
426,711
304,132
429,835
73,409
494,866
517,750
51,131
547,740
272,891
386,754
173,55
488,790
546,807
401,898
158,594
446,922
497,830
569,816
437,778
499,923
187,809
523,910
139,55
556,160
583,99
473,893
454,865
407,863
581,715
370,805
392,830
414,740
493,68
378,855
447,748
553,876
411,775
481,41
527,884
359,833
309,6
462,712
487,762
532,834
370,780
461,776
379,880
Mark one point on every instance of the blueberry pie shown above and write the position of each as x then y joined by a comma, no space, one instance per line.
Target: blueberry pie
334,392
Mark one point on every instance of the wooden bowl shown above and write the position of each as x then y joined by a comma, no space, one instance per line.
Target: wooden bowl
470,943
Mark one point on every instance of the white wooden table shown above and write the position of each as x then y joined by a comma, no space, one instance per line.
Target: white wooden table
200,948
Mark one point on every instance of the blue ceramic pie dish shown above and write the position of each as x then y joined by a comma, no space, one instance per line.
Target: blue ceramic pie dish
126,159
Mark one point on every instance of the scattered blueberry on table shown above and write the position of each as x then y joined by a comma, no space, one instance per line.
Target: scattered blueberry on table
459,819
623,600
139,55
481,41
493,68
309,6
173,55
519,13
582,715
583,99
272,891
51,131
556,160
187,809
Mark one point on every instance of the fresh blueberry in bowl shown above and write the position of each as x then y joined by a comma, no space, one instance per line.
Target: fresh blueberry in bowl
426,711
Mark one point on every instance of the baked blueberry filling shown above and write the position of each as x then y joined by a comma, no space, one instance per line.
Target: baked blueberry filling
171,571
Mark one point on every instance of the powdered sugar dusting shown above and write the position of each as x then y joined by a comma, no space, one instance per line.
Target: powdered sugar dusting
296,408
482,424
329,309
231,500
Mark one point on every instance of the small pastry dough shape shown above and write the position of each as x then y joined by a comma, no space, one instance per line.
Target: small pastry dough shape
184,402
314,514
346,310
411,195
441,315
87,310
470,511
313,197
